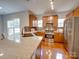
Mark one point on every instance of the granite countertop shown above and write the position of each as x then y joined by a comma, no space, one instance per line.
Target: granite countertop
22,49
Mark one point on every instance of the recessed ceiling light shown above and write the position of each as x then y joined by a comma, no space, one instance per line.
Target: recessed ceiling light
52,7
1,54
51,3
0,7
50,18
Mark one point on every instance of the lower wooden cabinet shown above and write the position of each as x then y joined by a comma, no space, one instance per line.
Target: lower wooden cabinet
40,33
58,37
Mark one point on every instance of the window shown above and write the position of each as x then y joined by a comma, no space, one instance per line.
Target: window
13,27
34,23
59,56
37,23
40,23
61,22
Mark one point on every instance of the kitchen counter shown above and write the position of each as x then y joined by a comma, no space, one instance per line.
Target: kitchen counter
22,49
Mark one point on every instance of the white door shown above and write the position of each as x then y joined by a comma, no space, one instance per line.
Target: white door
14,29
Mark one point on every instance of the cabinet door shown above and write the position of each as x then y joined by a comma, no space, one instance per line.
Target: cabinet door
45,18
54,21
58,37
32,21
76,12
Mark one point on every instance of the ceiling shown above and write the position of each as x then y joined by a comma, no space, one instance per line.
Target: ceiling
36,6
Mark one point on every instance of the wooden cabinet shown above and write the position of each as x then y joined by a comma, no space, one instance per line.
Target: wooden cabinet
40,33
70,14
45,18
31,19
54,21
58,37
76,12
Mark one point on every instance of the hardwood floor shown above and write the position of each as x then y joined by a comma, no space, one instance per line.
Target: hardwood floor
51,51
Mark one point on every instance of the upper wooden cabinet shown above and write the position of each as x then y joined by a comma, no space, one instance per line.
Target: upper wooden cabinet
73,13
54,21
45,18
31,19
70,14
76,12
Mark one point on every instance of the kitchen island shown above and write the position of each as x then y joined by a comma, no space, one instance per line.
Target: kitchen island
19,49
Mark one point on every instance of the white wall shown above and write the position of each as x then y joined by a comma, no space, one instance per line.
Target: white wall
1,26
24,19
1,29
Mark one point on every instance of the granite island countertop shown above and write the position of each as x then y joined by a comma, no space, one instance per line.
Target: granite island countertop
22,49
